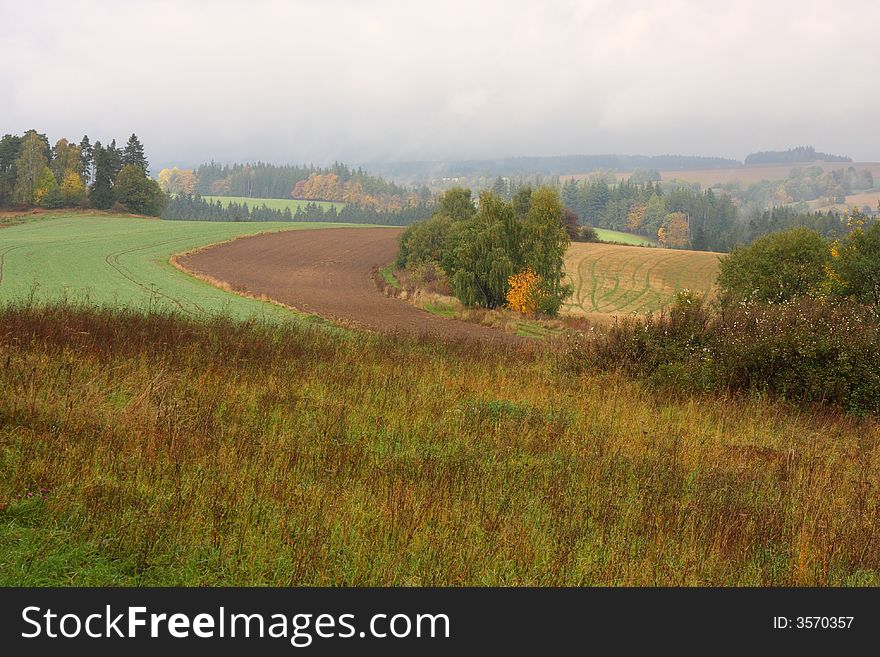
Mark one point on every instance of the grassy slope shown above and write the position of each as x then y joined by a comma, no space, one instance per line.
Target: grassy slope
623,238
123,261
141,450
274,203
610,278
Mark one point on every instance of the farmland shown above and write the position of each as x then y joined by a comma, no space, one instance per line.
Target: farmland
606,235
611,279
273,203
123,261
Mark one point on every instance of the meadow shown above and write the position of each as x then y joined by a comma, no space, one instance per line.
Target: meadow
613,279
619,237
274,203
124,261
148,449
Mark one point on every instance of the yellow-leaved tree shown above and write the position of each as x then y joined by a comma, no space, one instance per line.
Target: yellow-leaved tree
524,294
674,231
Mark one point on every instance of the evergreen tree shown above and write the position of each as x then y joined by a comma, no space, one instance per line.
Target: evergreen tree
101,191
9,149
114,159
86,155
133,153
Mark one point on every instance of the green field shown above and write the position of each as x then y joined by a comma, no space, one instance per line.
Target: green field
123,261
624,238
272,203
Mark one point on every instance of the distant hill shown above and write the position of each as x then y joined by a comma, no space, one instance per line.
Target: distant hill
545,166
801,154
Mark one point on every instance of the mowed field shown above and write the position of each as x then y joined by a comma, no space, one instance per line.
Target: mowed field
273,203
611,279
124,261
869,198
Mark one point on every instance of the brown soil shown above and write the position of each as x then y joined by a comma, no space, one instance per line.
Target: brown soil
327,272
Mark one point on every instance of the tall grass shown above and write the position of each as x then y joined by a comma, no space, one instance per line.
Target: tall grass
149,449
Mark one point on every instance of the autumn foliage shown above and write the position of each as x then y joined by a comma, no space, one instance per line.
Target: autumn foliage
524,293
330,187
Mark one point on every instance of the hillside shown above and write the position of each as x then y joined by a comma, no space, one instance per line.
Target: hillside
123,261
611,279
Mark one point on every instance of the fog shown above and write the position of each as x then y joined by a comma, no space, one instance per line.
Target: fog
317,81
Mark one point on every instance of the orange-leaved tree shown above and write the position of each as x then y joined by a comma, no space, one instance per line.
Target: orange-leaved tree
524,294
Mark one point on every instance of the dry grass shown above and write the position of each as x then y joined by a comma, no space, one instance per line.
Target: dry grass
157,450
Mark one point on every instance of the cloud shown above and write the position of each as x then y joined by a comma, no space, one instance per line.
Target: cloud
384,80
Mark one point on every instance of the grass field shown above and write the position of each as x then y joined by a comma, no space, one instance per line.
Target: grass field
272,203
154,450
122,260
614,279
623,238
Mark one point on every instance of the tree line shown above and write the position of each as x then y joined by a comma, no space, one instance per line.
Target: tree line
338,183
685,217
35,174
193,207
792,155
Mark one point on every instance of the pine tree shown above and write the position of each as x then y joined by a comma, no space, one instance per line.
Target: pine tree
101,192
133,153
114,159
86,155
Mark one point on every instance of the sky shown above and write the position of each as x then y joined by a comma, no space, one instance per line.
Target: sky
391,80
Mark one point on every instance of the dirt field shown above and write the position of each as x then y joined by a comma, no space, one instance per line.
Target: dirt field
329,273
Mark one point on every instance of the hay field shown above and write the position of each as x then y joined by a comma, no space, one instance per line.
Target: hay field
612,279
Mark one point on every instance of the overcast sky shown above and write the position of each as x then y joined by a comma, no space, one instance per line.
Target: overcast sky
388,80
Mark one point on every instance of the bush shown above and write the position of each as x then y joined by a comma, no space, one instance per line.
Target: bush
805,350
776,267
855,264
588,234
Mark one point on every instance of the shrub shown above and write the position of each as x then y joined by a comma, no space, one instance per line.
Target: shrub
776,267
524,293
804,350
588,234
855,264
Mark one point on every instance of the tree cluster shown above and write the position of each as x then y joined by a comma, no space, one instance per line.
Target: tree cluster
799,262
33,174
482,250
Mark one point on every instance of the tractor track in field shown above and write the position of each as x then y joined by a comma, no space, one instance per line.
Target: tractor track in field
112,260
328,272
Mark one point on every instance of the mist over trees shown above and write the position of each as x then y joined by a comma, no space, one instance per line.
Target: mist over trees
800,154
